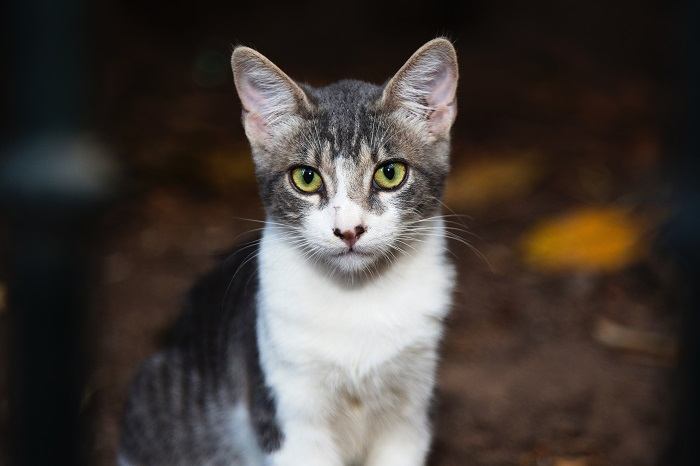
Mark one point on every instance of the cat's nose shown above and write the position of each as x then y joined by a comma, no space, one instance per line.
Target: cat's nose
349,236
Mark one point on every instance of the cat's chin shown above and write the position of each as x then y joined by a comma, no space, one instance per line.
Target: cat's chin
352,261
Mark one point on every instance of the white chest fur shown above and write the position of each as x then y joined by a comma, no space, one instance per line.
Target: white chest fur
325,346
311,318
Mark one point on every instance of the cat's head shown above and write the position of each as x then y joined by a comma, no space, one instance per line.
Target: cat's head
351,171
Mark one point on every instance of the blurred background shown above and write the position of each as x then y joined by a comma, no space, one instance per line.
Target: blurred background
125,172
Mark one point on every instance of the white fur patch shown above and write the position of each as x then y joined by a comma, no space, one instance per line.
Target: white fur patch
351,366
242,433
344,213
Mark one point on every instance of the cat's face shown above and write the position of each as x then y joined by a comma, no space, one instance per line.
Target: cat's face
352,171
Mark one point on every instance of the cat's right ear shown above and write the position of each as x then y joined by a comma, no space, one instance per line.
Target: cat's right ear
270,99
423,91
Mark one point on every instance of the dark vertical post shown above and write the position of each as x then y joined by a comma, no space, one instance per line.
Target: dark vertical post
53,181
683,237
47,291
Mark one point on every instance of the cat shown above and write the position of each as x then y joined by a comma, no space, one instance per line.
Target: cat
316,344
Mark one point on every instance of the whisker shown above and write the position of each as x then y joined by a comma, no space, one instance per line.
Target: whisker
460,240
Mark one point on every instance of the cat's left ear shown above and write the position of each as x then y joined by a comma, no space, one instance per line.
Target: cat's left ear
424,89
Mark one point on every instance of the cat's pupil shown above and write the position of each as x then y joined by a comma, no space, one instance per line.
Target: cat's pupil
389,171
308,175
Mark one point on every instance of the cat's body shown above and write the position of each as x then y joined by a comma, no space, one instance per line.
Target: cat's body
318,344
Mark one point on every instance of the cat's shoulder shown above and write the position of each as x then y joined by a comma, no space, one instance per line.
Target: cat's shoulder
226,292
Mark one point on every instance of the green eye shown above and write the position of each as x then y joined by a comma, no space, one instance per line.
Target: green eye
390,175
306,179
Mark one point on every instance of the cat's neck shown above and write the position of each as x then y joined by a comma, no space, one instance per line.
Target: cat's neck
309,315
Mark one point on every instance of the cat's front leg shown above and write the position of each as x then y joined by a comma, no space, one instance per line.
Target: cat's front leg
306,445
302,407
405,443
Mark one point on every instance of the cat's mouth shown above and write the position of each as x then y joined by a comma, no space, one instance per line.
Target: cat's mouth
353,259
352,252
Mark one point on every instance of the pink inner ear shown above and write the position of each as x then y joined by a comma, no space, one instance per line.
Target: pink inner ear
441,119
255,126
253,110
252,99
441,99
444,86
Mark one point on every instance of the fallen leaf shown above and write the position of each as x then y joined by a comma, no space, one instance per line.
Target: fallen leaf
588,239
570,462
621,337
492,180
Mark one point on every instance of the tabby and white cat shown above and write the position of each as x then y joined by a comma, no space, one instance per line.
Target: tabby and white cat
316,345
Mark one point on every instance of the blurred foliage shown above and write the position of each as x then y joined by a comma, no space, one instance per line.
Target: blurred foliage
210,68
492,179
589,239
227,172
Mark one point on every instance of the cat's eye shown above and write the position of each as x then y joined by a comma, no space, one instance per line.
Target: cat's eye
306,179
390,175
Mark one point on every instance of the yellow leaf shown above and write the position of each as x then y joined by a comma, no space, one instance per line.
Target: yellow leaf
570,462
491,180
592,239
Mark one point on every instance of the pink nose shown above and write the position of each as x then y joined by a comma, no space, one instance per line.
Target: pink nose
350,237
